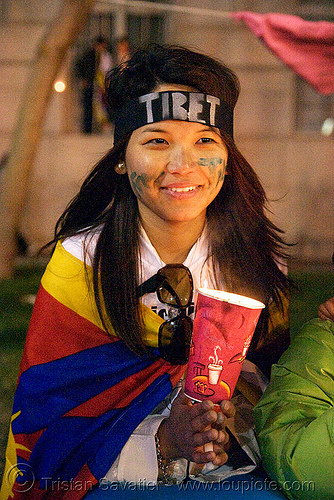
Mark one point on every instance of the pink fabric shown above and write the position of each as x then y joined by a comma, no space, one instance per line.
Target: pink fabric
307,47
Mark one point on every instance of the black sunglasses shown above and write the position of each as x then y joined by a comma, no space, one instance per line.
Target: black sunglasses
173,285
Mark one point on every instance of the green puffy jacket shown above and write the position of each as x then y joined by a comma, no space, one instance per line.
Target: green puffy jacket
295,417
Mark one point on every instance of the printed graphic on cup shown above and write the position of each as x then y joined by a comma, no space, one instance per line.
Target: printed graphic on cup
215,367
223,328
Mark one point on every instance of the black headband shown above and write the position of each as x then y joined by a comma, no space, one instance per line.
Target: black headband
173,105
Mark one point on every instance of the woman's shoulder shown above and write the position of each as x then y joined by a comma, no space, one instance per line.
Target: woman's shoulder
82,245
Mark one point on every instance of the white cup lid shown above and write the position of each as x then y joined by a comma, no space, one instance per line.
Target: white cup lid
232,298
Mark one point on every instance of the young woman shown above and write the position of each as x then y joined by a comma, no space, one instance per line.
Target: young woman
172,206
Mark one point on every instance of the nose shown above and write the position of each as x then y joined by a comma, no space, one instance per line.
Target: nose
180,161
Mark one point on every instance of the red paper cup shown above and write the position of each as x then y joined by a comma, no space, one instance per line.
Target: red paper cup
223,328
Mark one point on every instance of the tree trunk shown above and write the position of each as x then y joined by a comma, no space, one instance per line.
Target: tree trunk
71,19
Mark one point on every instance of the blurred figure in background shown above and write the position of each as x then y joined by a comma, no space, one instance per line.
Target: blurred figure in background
90,70
122,50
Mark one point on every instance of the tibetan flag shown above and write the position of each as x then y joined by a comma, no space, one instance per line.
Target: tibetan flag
80,393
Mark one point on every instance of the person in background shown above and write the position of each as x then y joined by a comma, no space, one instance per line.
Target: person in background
295,417
172,206
90,71
122,50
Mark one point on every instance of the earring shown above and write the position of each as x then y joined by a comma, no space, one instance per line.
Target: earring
120,168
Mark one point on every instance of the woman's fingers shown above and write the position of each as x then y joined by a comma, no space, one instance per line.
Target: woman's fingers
191,426
218,456
228,408
203,421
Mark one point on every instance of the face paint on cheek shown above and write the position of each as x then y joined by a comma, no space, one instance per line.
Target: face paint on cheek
209,162
221,174
212,164
138,183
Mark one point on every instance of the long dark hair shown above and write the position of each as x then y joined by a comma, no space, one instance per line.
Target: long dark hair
245,245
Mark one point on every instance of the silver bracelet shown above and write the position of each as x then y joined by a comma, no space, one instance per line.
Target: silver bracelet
163,465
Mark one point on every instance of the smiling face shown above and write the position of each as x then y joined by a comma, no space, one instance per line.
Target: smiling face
176,169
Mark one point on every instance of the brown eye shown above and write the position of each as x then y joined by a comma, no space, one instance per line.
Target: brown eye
158,140
207,140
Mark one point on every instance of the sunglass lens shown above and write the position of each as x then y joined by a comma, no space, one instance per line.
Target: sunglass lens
176,288
174,340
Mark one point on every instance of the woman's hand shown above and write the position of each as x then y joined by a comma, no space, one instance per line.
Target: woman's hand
326,310
190,426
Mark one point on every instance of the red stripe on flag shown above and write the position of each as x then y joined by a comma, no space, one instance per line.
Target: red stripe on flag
56,322
81,484
27,441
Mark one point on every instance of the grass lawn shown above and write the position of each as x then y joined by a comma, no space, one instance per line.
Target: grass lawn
316,285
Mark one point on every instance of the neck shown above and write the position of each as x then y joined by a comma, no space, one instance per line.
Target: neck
174,241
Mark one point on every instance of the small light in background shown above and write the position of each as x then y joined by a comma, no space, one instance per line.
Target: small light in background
327,127
59,86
